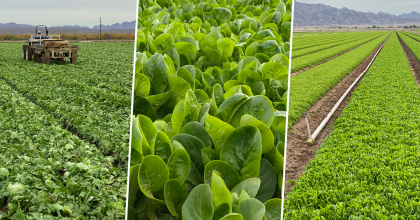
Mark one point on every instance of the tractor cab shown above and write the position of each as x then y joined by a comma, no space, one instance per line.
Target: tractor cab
48,47
38,38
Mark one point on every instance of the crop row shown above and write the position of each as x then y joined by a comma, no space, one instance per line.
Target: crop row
310,41
369,166
93,101
309,86
413,45
106,66
309,34
328,45
311,37
314,58
241,32
48,173
209,110
415,36
333,39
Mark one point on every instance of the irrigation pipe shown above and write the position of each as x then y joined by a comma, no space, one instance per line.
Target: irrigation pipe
324,122
307,124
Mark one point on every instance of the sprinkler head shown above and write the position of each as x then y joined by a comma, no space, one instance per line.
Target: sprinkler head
310,140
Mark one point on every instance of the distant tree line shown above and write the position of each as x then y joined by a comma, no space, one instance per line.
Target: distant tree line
104,36
411,26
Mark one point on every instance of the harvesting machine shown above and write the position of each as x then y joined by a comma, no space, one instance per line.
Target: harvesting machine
46,47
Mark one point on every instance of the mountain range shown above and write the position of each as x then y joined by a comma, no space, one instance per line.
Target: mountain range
13,28
325,15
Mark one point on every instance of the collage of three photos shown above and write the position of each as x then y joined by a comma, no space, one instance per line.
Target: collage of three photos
209,109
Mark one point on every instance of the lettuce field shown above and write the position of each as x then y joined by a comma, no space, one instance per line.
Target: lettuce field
368,166
324,76
209,113
64,134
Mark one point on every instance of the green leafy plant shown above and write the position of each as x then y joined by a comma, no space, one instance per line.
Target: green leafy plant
305,47
309,58
64,134
92,98
323,77
411,40
368,168
210,101
48,172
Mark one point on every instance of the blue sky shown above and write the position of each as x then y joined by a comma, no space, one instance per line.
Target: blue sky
70,12
389,6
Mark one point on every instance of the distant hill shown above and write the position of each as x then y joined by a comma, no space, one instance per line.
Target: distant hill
413,16
124,25
14,25
383,13
13,28
325,15
69,26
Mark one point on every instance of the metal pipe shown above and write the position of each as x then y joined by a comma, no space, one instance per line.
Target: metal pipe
324,122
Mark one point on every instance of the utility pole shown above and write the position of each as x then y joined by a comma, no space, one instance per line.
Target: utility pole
100,28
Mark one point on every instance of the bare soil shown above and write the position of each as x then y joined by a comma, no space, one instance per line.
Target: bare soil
299,152
310,67
412,60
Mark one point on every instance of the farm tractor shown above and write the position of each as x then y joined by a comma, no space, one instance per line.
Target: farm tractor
46,47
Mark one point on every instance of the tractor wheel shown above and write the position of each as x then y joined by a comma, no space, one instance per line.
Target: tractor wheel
29,54
24,52
45,59
73,60
36,57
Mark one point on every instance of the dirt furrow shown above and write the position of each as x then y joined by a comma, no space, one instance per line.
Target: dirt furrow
317,64
66,125
412,60
299,152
